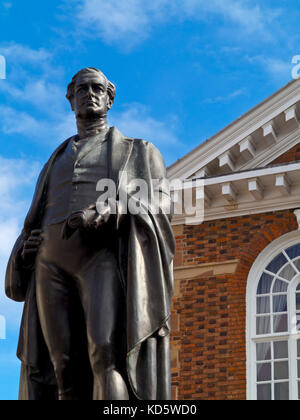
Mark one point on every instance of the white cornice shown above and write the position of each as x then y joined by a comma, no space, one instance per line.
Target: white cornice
245,175
226,212
276,195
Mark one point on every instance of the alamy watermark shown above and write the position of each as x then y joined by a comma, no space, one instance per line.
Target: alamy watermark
2,327
296,68
176,197
2,67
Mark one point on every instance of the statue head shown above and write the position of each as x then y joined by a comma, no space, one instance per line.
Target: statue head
90,93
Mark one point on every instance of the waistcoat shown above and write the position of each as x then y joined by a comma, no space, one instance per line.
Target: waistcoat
74,177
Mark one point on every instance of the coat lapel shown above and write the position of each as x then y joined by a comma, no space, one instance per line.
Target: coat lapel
88,147
119,152
35,212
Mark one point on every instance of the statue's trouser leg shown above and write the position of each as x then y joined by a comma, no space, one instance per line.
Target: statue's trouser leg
55,316
103,301
61,267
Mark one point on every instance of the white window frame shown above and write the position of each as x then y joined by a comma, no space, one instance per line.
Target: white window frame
261,262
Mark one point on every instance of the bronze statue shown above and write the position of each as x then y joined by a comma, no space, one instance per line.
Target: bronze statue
97,280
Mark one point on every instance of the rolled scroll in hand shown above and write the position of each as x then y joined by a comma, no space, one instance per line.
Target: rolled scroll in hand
80,219
89,219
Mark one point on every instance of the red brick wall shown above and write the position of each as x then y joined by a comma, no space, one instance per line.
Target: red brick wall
290,156
208,313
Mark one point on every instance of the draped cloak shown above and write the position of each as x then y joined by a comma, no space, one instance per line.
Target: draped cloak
146,249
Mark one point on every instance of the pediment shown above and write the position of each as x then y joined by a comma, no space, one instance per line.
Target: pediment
253,141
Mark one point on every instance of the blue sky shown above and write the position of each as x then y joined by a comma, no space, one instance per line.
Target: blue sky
183,69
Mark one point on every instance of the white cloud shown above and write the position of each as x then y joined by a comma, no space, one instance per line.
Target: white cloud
18,122
31,77
35,81
248,15
135,121
279,70
38,92
55,129
21,53
7,5
15,174
9,230
226,98
113,20
128,23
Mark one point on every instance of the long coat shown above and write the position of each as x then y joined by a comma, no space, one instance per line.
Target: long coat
146,251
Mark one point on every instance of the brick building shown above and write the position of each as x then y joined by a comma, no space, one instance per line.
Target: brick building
236,310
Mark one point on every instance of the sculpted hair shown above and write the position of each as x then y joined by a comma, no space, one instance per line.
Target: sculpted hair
111,89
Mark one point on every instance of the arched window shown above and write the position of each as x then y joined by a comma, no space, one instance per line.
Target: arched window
273,322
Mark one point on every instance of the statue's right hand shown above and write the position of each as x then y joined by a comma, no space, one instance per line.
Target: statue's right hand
31,246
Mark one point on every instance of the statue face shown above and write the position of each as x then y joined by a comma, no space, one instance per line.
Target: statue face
91,98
